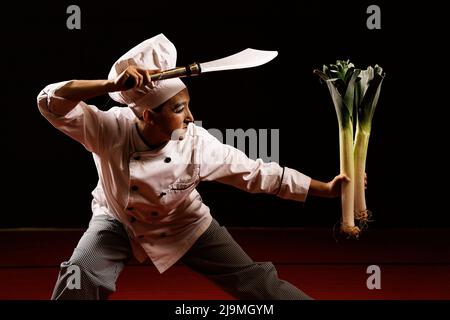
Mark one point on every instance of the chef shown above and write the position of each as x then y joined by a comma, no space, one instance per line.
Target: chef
150,157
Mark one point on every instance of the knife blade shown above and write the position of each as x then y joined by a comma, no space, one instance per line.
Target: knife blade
247,58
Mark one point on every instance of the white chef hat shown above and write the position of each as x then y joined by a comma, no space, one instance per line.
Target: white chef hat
154,53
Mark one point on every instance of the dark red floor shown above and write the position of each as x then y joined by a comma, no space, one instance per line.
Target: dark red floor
415,264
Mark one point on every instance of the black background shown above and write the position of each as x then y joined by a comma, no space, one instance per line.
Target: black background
47,177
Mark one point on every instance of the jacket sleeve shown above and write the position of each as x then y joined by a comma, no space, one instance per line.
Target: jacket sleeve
84,123
226,164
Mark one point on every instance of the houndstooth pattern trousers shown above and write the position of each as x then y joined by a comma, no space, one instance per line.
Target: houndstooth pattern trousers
104,249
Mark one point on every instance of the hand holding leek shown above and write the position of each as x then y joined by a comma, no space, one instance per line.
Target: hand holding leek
331,189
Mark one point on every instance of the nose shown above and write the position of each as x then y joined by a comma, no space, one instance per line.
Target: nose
189,117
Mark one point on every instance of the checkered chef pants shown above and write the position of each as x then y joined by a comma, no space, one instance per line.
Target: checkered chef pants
104,249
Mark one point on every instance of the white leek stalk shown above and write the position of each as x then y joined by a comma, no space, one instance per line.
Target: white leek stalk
367,92
340,79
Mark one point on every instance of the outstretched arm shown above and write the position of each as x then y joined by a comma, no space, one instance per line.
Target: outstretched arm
228,165
331,189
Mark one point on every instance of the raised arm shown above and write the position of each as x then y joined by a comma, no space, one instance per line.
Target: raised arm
80,90
62,104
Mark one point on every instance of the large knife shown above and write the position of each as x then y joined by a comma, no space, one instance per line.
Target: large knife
247,58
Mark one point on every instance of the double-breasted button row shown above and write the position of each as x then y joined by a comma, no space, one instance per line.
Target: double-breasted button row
136,188
133,219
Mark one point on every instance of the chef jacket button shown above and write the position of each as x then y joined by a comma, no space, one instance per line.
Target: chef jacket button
134,188
137,157
132,219
154,213
167,160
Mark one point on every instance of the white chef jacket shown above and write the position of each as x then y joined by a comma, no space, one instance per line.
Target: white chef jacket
152,192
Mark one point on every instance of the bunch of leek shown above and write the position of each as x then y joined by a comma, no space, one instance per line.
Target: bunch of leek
353,89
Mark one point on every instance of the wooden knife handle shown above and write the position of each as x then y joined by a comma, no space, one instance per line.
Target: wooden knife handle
179,72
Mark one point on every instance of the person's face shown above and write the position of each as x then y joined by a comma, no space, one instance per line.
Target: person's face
172,120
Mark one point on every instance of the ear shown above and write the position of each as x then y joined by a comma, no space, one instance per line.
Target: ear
148,116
